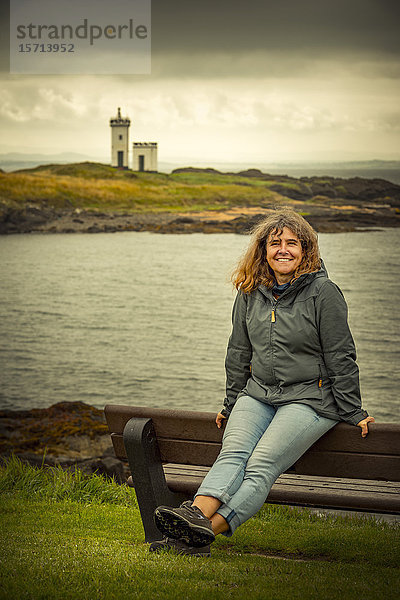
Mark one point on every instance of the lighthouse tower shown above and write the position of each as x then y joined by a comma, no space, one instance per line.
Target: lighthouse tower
119,141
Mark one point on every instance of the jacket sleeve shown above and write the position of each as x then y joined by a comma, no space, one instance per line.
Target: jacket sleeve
339,352
238,355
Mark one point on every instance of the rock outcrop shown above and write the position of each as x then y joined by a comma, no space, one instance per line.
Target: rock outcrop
68,434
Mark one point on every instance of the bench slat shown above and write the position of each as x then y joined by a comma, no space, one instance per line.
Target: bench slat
179,424
178,451
345,464
334,482
306,491
322,463
383,438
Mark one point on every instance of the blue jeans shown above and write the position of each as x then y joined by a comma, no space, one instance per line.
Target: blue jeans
260,442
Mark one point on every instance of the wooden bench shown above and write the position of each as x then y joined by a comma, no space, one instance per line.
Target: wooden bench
170,451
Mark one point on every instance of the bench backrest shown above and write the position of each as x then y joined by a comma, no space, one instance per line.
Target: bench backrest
190,437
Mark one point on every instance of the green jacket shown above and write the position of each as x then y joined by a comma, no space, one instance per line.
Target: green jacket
295,349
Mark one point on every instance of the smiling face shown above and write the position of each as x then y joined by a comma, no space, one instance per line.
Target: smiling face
284,254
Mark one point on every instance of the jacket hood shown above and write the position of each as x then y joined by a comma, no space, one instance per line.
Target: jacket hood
323,269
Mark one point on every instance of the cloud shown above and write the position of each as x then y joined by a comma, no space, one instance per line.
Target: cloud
9,111
279,64
33,99
319,25
171,106
241,80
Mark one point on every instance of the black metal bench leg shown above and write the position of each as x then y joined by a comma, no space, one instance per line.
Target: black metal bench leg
147,473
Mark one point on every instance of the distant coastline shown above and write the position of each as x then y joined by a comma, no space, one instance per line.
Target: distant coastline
367,169
94,197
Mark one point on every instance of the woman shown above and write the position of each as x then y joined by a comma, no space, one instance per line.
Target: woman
291,376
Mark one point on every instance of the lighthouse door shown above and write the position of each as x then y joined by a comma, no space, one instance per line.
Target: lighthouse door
141,162
120,158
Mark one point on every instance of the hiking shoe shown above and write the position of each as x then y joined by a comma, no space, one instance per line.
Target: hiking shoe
186,523
179,547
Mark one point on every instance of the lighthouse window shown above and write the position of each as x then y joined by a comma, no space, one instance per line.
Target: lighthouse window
120,137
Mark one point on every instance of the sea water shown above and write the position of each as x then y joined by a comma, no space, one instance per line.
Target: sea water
144,319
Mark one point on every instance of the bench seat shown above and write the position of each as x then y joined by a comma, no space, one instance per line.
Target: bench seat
305,490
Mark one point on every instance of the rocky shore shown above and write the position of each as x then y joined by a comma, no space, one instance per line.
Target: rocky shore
239,220
329,204
68,434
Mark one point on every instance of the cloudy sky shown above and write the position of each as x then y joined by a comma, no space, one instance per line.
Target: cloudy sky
255,81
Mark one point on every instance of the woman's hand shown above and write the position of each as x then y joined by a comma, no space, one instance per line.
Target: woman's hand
220,420
364,425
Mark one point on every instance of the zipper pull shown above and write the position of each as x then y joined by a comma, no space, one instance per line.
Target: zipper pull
320,382
273,316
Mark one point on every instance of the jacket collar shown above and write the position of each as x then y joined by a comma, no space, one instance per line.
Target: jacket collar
299,283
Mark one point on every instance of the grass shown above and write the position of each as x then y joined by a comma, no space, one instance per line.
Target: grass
93,186
74,536
26,482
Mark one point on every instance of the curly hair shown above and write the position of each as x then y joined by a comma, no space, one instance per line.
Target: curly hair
253,268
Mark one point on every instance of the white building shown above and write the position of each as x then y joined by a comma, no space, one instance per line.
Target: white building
144,153
120,141
144,156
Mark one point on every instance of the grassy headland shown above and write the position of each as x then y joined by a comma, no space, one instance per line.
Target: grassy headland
94,186
73,536
47,192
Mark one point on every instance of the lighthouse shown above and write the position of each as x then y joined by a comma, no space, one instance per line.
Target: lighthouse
120,141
